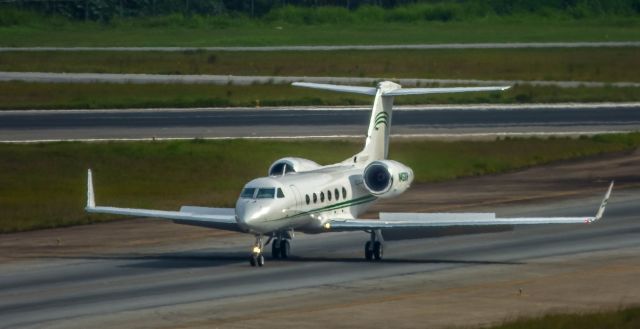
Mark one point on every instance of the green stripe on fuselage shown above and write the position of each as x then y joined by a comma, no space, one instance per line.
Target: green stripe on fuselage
340,205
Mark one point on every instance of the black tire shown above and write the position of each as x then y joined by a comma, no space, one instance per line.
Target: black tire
378,250
368,251
285,249
260,260
275,249
253,261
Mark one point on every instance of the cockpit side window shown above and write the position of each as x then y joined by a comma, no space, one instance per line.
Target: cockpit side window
266,193
247,193
280,193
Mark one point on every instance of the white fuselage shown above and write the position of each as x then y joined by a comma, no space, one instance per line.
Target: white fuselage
308,200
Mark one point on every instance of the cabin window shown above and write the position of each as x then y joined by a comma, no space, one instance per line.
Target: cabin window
315,198
329,195
321,196
344,193
280,193
266,193
306,197
247,193
337,194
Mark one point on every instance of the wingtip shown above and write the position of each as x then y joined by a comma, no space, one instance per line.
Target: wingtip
91,202
605,200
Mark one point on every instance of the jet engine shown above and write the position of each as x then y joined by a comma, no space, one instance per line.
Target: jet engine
387,178
289,165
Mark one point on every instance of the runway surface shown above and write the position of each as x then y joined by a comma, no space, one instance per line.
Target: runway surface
54,77
209,282
495,45
316,122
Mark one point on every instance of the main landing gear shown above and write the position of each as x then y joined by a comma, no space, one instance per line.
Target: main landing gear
280,248
374,248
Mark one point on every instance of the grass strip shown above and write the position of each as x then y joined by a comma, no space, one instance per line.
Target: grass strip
488,29
626,318
23,95
43,185
580,64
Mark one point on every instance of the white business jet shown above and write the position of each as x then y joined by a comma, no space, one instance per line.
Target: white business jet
301,195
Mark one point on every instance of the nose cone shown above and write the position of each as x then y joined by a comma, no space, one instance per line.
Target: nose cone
250,214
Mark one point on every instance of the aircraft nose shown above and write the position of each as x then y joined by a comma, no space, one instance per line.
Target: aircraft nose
248,213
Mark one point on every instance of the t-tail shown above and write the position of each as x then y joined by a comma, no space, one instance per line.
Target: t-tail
377,142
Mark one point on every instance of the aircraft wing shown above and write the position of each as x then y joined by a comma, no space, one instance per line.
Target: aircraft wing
419,220
219,218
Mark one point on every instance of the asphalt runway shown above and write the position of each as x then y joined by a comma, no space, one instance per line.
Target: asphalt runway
197,281
310,122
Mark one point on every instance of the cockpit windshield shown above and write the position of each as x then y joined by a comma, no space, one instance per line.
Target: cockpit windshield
266,193
247,193
263,193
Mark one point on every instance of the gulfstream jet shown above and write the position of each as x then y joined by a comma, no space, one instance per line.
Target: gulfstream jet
301,195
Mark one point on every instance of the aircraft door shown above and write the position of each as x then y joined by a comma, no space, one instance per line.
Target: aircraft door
297,195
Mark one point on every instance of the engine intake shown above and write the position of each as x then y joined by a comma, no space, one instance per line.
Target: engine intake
387,178
289,165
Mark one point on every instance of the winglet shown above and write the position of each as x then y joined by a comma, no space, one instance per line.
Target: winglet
604,203
91,201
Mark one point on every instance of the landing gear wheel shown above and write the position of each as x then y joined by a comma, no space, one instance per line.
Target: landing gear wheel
285,249
276,247
378,250
368,251
256,257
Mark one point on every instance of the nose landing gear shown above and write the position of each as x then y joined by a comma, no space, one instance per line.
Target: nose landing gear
374,248
280,247
257,259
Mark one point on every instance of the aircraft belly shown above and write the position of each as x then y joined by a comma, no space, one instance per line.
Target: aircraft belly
282,224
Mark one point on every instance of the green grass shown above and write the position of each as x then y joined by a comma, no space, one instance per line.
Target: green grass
21,95
627,318
582,64
43,185
267,34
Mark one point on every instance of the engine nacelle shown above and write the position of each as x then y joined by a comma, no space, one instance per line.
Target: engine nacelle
289,165
387,178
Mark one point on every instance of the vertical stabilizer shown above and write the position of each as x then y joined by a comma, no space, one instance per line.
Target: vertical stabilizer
377,142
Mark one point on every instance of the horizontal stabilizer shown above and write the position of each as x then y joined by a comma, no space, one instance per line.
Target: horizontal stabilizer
392,89
421,91
344,89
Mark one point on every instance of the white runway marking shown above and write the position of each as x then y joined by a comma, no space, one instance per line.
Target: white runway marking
135,78
437,107
426,136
